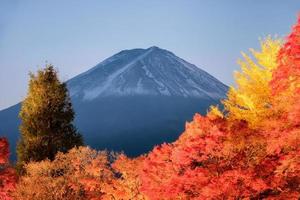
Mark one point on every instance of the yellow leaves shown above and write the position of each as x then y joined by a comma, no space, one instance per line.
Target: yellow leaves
267,57
249,105
251,99
214,112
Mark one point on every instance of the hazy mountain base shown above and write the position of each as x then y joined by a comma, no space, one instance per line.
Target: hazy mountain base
9,128
116,123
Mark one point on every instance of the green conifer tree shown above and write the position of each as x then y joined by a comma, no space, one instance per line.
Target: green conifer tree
47,117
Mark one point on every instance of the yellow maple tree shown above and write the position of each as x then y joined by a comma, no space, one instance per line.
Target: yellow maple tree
250,100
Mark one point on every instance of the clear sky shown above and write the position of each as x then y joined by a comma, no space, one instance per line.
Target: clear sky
75,35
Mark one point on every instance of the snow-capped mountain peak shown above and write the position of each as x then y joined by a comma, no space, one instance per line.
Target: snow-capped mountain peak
151,71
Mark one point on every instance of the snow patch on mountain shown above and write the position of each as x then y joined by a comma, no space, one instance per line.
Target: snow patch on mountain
108,84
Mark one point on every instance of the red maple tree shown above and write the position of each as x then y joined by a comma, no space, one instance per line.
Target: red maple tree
8,176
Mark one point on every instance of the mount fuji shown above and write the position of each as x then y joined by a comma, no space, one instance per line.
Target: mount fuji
133,100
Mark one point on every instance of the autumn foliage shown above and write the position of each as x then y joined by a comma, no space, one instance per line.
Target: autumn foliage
250,100
252,150
82,173
8,176
249,150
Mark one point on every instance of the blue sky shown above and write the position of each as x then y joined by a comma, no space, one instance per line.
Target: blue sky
75,35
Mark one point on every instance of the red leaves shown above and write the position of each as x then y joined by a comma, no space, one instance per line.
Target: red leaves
8,176
8,181
288,70
233,184
217,160
4,151
182,169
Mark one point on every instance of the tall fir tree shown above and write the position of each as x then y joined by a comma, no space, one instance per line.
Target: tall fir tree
47,117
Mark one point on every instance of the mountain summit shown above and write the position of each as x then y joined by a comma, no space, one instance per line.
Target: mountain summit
151,71
133,100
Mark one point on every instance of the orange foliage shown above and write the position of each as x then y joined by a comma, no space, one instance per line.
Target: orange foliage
129,182
82,173
198,166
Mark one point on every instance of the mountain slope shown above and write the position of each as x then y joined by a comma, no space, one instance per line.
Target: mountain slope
134,100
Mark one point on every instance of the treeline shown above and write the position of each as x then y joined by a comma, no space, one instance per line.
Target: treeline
249,150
